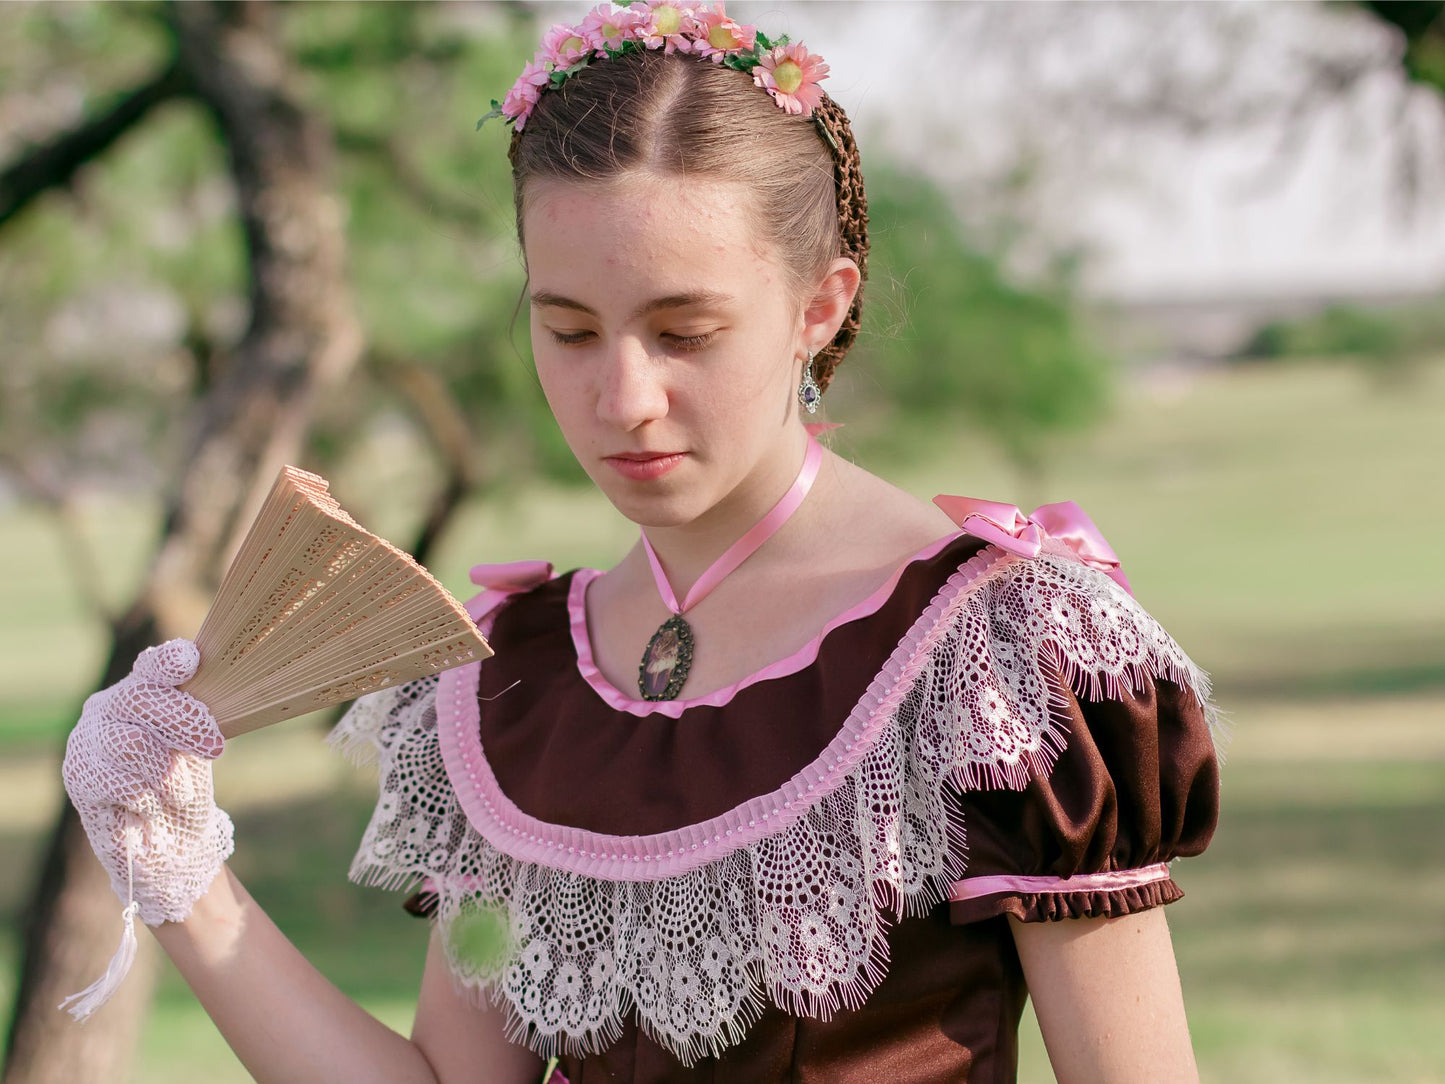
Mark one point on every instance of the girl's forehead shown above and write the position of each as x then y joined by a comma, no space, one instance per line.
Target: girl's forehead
655,228
643,205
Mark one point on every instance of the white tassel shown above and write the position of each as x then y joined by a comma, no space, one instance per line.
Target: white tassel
95,995
83,1004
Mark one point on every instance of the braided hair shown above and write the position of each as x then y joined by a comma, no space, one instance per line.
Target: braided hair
681,115
852,227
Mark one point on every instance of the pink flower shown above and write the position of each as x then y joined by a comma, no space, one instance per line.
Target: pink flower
666,25
718,36
791,75
606,26
524,93
563,46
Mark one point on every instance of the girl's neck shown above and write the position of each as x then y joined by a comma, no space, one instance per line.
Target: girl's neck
688,549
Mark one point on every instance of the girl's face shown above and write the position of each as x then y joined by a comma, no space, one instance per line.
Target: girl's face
666,343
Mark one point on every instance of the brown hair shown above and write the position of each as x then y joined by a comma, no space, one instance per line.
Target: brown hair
673,114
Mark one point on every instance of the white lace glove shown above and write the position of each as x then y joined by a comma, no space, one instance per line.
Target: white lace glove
138,769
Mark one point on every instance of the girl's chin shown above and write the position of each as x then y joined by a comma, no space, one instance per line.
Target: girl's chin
662,503
672,511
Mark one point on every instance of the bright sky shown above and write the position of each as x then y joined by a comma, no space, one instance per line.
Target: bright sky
1165,215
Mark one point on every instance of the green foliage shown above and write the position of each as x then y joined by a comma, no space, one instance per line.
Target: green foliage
1338,330
436,274
950,340
152,225
101,283
1390,343
433,266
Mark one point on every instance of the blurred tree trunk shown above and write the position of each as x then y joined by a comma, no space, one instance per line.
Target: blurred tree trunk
302,338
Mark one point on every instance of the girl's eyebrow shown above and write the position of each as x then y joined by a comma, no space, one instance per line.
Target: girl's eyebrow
671,301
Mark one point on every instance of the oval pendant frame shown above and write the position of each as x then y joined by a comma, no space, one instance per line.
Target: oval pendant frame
678,625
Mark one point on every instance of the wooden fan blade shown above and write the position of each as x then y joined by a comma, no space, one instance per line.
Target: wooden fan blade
315,610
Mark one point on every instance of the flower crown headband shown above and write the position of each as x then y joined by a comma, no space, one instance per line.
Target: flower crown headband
787,72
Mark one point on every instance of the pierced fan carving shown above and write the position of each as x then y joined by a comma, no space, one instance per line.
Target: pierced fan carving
315,610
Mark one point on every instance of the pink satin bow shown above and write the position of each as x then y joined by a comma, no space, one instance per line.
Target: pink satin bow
499,581
1009,529
513,576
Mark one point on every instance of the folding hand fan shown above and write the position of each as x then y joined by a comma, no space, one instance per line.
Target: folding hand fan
315,610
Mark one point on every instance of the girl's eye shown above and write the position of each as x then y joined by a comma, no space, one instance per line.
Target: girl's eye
693,342
683,342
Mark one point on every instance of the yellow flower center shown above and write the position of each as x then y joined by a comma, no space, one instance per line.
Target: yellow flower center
668,19
572,44
610,31
720,37
788,76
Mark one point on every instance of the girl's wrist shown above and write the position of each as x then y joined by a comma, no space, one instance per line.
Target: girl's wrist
216,921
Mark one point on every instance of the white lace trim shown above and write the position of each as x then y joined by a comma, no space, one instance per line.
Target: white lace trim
799,916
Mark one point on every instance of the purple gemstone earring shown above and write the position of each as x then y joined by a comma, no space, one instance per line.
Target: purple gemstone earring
809,394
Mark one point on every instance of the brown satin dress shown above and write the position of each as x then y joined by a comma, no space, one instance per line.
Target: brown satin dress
1137,784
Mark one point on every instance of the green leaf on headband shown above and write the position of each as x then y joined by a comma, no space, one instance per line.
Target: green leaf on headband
495,112
560,77
827,135
623,49
765,43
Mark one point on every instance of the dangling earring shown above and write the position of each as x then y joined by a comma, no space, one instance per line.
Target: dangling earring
809,394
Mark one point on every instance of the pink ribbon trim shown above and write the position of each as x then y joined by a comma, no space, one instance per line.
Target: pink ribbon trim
745,546
971,888
1006,526
803,657
666,854
501,581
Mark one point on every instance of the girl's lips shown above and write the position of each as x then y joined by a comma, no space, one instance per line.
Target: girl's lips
642,469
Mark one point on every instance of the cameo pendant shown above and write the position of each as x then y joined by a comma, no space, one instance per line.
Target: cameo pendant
666,661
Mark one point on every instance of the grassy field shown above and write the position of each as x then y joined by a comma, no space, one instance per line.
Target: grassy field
1285,527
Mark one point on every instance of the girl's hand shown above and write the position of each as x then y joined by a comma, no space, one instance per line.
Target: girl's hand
138,769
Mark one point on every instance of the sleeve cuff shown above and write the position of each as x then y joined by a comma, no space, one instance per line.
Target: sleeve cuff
1108,894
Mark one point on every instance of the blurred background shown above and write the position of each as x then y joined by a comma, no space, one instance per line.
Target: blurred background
1183,264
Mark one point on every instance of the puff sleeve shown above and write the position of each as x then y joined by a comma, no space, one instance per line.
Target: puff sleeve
1076,811
1135,786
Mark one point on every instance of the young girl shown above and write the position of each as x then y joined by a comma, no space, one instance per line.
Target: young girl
820,781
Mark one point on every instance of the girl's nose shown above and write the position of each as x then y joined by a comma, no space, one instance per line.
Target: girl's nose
632,387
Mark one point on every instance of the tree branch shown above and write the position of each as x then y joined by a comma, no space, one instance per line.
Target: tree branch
52,165
387,152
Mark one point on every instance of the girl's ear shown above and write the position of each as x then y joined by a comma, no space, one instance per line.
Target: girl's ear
824,312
